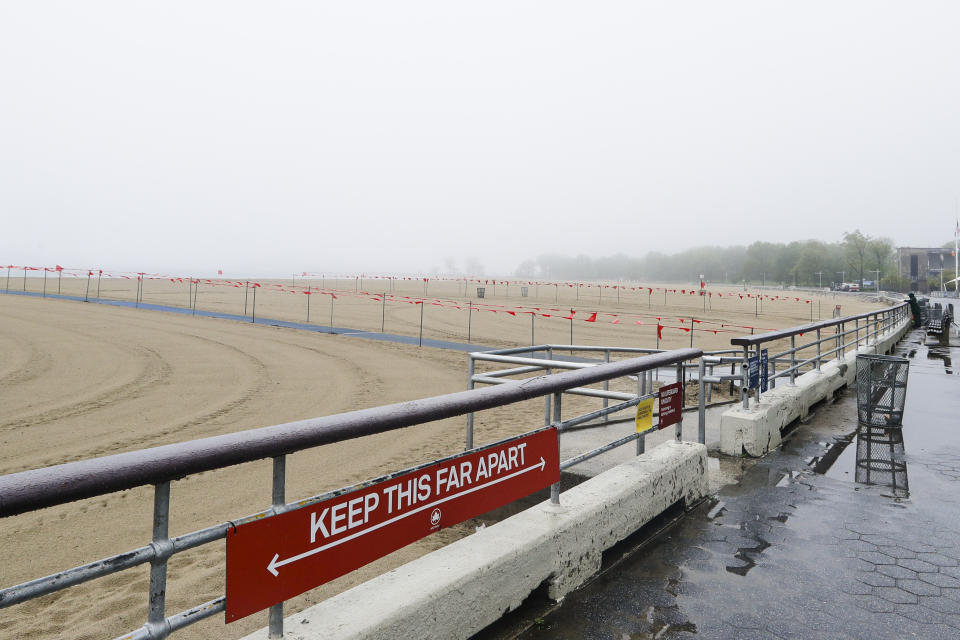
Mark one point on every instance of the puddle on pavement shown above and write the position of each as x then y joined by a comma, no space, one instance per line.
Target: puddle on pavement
877,459
748,555
941,353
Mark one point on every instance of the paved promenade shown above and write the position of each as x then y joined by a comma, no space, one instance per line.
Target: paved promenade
797,549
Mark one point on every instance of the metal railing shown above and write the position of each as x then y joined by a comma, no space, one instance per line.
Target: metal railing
46,487
833,340
548,357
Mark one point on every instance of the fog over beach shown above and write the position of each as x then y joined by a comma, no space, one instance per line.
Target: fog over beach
387,137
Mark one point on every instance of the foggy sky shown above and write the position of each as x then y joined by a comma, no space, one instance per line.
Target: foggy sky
276,137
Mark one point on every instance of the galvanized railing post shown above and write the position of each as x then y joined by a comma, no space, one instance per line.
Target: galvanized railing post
163,549
606,386
793,359
546,398
856,334
843,340
710,388
470,367
682,386
275,629
818,349
702,406
557,419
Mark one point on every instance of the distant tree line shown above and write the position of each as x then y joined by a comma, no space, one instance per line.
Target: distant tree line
802,263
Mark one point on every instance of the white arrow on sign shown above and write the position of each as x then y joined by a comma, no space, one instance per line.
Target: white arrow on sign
276,562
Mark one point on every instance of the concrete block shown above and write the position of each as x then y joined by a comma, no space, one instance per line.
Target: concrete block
458,590
756,430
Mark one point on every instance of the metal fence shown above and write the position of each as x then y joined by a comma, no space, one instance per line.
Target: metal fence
549,357
831,339
36,489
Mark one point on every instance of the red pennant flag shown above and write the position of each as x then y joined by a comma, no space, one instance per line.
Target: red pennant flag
59,268
659,331
592,318
220,272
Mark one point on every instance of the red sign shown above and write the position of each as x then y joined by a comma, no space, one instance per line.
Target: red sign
275,559
669,397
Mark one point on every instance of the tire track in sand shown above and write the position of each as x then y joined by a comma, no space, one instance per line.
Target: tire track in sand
30,364
155,370
238,402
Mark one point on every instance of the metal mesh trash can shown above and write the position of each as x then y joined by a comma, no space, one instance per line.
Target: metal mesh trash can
881,459
881,390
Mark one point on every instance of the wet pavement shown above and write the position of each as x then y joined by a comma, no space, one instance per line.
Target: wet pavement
796,548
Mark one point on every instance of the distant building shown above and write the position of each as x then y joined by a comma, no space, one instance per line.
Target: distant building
919,265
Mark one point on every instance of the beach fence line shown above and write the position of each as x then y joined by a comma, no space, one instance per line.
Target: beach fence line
37,489
338,301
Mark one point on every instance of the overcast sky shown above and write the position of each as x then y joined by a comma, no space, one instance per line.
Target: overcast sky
276,137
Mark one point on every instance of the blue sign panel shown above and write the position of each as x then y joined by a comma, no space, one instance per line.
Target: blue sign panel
753,372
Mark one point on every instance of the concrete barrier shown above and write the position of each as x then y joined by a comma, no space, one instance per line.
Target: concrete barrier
458,590
756,430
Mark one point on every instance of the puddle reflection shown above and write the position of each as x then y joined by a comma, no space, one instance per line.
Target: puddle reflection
881,459
941,354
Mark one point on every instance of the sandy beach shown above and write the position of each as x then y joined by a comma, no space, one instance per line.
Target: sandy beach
85,380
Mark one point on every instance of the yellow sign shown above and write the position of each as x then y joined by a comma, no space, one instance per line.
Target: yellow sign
645,415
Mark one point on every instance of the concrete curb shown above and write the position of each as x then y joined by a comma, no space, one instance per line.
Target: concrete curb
756,430
458,590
